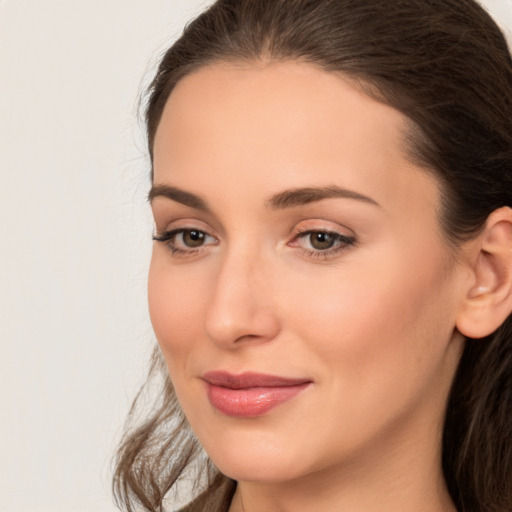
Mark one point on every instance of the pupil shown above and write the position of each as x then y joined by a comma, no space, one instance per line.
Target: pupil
322,240
193,238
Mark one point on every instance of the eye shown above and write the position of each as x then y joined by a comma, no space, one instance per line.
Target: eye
322,243
185,241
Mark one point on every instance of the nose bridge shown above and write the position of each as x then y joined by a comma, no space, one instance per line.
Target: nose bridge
240,306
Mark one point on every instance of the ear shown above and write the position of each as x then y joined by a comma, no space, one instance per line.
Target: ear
488,299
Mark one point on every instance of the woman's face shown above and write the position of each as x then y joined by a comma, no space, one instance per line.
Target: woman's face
301,291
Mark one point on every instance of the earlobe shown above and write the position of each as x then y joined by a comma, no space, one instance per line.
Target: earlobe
488,301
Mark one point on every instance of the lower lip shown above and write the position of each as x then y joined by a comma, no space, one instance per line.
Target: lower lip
251,402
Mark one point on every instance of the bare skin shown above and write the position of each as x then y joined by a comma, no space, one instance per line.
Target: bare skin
369,318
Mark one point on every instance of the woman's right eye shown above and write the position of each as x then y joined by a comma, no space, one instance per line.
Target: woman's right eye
185,241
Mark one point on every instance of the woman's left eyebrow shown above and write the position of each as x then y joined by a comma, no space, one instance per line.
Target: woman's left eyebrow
301,196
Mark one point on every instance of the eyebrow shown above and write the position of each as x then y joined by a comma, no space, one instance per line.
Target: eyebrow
302,196
178,195
280,201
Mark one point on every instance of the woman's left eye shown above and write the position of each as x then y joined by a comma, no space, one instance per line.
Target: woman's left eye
322,244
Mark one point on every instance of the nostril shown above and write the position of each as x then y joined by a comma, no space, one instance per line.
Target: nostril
250,325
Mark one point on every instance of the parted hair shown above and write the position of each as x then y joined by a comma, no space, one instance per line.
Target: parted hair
446,66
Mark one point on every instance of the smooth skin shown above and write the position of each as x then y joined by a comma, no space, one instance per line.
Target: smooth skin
358,292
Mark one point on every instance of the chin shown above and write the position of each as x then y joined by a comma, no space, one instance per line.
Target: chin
259,460
261,471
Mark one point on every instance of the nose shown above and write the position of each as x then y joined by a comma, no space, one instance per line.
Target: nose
241,308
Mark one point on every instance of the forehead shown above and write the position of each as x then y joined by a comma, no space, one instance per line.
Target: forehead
272,123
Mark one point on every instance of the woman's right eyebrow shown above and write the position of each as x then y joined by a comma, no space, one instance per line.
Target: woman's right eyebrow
178,195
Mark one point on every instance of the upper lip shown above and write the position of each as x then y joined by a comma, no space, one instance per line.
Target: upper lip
250,380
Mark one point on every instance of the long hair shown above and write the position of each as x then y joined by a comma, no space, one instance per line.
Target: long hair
446,66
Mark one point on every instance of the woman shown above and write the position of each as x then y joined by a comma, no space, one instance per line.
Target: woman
331,277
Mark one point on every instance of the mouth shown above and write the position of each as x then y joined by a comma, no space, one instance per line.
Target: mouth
248,395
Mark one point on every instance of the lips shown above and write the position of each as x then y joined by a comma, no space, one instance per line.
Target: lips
250,394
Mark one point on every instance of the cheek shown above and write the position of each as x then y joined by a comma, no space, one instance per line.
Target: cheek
175,309
381,315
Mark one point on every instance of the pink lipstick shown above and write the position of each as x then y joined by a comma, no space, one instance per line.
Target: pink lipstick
250,394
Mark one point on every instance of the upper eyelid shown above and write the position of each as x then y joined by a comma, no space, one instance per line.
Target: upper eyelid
319,229
176,231
163,217
184,225
336,229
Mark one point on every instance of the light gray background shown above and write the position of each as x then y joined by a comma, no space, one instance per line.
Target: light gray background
75,238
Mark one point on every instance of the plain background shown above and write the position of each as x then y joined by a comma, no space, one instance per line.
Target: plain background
75,230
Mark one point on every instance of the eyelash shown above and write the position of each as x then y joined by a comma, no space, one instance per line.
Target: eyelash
344,242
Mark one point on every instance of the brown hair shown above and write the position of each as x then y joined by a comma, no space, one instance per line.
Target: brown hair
447,67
